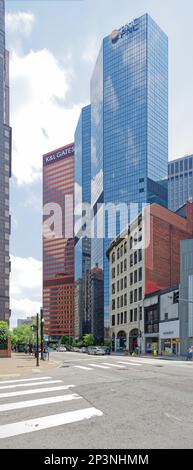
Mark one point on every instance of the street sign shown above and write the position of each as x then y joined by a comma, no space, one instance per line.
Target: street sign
46,338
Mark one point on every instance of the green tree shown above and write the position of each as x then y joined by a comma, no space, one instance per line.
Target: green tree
4,333
23,335
88,340
66,340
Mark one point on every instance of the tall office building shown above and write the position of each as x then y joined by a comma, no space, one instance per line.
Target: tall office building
129,128
180,182
5,171
58,242
82,243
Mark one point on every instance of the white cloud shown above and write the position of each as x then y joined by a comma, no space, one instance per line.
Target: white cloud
19,22
40,123
26,287
91,50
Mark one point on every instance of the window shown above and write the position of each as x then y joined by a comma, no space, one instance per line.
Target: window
125,247
185,165
113,320
113,288
121,318
125,317
181,165
131,297
121,284
113,273
118,302
190,163
141,190
118,253
131,315
135,276
131,243
131,260
135,295
141,180
121,250
125,282
140,255
135,257
117,286
140,313
166,316
118,318
125,265
131,279
113,304
125,299
140,293
140,274
122,301
121,267
117,269
176,167
135,314
113,258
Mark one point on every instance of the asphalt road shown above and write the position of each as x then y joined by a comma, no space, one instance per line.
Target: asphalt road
99,402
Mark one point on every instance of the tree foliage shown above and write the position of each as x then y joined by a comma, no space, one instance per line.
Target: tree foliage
4,332
23,335
88,340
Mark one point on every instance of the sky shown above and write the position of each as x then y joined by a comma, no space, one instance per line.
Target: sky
53,47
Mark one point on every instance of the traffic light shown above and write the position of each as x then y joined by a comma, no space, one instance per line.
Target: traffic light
176,297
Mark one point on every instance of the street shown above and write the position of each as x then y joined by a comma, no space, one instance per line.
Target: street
98,402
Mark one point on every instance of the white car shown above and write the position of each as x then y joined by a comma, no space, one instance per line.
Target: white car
61,349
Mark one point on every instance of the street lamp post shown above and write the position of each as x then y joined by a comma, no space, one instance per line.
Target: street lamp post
138,338
42,333
37,340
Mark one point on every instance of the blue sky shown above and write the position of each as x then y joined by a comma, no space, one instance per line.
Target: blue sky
53,45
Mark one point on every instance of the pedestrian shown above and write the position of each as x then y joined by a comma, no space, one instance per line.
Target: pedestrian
189,354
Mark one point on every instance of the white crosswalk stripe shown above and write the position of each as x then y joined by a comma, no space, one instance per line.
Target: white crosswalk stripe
114,365
130,363
62,414
38,424
99,366
83,367
31,384
23,380
39,402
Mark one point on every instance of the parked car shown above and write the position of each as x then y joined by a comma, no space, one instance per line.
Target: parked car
61,349
84,350
100,351
91,350
107,350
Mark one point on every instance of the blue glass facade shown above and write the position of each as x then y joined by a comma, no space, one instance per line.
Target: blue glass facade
180,182
129,127
82,245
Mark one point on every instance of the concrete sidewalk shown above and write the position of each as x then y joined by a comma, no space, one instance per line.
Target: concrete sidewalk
21,364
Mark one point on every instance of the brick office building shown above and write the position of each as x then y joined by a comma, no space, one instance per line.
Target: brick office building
58,250
144,259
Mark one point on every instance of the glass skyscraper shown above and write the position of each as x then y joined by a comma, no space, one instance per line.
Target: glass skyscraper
5,171
129,128
180,182
82,195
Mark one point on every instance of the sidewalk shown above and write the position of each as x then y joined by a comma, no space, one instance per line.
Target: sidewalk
21,364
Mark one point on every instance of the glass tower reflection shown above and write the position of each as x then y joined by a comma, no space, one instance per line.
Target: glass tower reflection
129,127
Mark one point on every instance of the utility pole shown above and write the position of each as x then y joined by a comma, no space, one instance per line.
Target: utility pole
139,336
37,340
42,333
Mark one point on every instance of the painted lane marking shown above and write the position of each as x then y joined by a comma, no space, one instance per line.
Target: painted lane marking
130,363
37,390
39,402
23,380
83,367
113,365
31,384
38,424
100,366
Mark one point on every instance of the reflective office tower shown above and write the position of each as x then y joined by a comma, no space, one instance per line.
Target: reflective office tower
82,243
5,171
180,182
58,242
129,129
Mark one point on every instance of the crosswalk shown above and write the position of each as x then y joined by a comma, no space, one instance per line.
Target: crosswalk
14,421
107,365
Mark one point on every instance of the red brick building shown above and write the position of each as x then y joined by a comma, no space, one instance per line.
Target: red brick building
58,246
162,256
